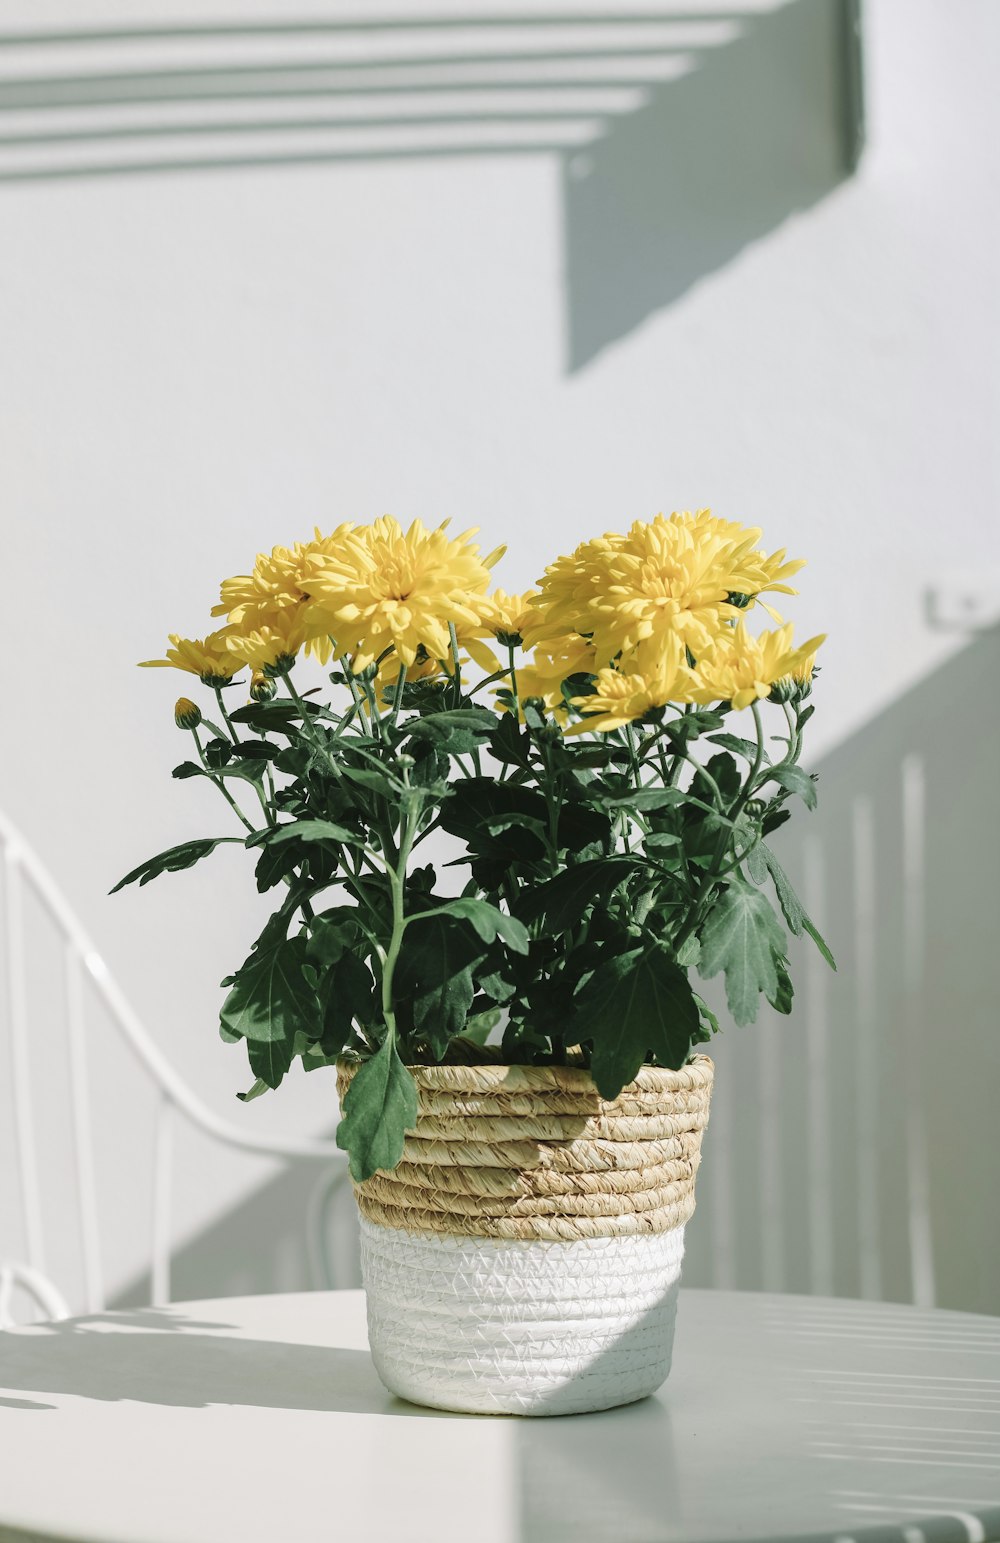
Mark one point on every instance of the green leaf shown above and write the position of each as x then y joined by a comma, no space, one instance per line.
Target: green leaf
274,865
563,901
173,860
789,901
725,773
781,998
259,1087
690,726
331,934
256,750
457,731
296,760
477,801
278,717
271,997
347,991
689,952
481,1025
635,1005
660,841
796,781
380,1106
218,753
488,922
791,906
744,747
820,941
757,868
246,771
305,830
709,1021
743,937
643,798
434,971
774,818
377,781
270,1059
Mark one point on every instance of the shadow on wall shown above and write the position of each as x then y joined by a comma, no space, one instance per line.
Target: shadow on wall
852,1149
681,136
766,125
263,1244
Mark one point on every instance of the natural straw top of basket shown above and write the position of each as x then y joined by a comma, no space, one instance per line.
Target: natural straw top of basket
536,1152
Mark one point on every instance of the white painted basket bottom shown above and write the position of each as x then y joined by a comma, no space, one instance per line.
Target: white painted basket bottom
495,1327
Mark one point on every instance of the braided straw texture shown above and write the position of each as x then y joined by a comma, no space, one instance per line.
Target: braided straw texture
526,1153
488,1326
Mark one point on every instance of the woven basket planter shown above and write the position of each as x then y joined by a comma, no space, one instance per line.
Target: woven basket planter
525,1255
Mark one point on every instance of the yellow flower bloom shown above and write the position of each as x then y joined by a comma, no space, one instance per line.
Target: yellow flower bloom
390,588
619,698
803,670
671,576
209,658
270,649
511,616
276,591
741,669
552,663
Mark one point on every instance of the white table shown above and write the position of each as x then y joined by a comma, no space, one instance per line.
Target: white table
261,1420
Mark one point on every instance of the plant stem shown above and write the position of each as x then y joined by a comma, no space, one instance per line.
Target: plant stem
513,683
397,883
397,700
225,716
458,664
220,784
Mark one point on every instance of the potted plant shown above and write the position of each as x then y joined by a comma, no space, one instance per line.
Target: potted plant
502,849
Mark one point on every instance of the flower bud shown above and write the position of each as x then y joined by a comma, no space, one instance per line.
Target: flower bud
187,714
262,689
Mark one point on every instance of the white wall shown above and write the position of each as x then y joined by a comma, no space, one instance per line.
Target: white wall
196,365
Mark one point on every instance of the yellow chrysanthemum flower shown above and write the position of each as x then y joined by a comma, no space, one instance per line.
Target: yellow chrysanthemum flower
671,576
803,670
390,588
187,714
209,658
552,663
270,649
620,697
511,616
741,669
276,590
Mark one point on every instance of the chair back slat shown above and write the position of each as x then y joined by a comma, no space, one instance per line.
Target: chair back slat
16,1277
20,1068
163,1152
83,1146
820,1149
864,855
914,807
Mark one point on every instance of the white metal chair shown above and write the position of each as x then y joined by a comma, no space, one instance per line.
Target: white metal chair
28,1278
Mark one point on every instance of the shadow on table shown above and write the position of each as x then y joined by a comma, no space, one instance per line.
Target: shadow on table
156,1357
